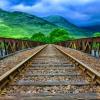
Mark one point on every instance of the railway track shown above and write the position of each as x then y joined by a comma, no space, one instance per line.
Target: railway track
51,75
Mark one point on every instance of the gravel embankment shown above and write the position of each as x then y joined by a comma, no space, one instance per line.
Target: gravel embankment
85,58
7,63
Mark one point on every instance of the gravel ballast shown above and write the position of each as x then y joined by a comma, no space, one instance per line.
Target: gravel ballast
7,63
83,57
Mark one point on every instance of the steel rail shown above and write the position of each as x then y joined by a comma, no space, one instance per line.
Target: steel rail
86,69
9,75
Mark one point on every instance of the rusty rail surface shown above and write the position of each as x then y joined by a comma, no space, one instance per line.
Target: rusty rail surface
9,75
86,69
9,46
87,45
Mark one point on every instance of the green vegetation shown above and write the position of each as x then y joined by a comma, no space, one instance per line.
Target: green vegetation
72,29
97,34
21,25
39,37
57,35
51,29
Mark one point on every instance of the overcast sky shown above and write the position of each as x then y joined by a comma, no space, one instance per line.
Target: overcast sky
79,12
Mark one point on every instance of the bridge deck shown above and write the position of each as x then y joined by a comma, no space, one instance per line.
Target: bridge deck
51,74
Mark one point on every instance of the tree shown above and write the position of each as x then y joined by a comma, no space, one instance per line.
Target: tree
38,37
97,34
59,35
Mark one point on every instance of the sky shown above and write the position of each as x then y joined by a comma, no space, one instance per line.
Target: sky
79,12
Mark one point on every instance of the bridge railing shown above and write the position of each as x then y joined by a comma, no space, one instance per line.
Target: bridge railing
9,46
87,45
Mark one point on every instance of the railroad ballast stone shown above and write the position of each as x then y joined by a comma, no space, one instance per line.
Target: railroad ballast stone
66,84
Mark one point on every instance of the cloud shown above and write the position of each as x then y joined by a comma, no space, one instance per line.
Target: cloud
48,5
4,4
79,12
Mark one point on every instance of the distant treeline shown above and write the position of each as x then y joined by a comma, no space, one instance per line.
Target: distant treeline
57,35
97,34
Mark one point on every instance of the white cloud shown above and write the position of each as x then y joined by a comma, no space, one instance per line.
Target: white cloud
48,5
30,9
4,4
41,7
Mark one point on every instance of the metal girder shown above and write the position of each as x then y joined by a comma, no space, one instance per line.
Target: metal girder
9,46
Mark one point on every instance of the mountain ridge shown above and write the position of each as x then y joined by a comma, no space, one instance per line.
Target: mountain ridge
62,22
23,25
92,27
19,24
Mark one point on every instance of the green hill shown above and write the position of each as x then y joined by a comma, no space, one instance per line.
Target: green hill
22,25
73,30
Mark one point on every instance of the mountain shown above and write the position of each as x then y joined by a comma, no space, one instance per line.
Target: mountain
62,22
95,28
22,25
